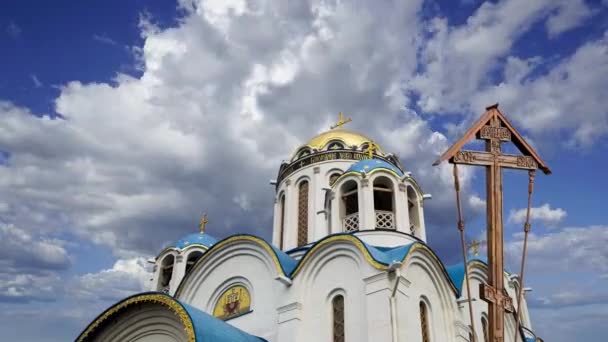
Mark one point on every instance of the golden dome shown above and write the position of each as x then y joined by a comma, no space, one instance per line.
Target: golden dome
347,137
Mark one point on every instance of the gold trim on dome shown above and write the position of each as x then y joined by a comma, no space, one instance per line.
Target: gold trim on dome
349,138
158,298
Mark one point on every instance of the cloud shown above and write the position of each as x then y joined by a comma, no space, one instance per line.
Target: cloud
569,15
570,297
576,249
13,30
131,165
544,214
29,266
103,38
458,67
125,278
37,82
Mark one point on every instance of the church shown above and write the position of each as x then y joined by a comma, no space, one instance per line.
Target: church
349,261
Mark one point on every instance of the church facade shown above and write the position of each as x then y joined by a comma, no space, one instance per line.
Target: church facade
348,261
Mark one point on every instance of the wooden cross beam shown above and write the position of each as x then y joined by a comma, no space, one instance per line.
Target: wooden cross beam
495,129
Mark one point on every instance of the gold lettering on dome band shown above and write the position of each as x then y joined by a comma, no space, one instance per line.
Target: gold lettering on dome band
323,157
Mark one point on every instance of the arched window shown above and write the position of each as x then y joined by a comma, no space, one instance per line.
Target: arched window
166,272
484,327
338,318
303,213
413,205
350,206
282,222
384,203
192,259
424,322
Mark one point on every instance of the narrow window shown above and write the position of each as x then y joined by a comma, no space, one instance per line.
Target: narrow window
166,272
484,326
282,223
383,203
192,259
303,213
413,209
424,322
338,318
350,207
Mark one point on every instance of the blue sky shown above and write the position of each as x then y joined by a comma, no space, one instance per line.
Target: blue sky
122,121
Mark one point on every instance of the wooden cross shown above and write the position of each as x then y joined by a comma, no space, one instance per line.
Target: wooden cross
341,121
494,128
203,223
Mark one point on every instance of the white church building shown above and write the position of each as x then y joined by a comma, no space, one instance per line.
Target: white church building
348,261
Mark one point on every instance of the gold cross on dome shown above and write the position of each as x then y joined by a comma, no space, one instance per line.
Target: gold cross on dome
371,148
474,245
203,223
341,121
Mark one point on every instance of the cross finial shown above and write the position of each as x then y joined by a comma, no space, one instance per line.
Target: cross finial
203,223
474,245
341,121
371,148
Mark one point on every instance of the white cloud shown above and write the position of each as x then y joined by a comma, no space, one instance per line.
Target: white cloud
458,62
544,214
103,38
201,125
36,81
580,249
569,15
126,277
29,265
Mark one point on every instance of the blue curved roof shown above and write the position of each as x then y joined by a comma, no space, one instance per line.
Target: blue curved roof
369,165
195,239
456,273
204,327
210,329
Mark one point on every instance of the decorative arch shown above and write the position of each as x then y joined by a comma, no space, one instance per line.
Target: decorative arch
252,245
162,325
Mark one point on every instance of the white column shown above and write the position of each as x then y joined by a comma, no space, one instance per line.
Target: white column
290,234
336,215
276,221
367,215
289,321
421,219
315,221
401,209
179,270
377,298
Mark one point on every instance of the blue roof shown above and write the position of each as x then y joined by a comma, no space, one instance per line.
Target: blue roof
456,273
369,165
195,239
210,329
203,326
